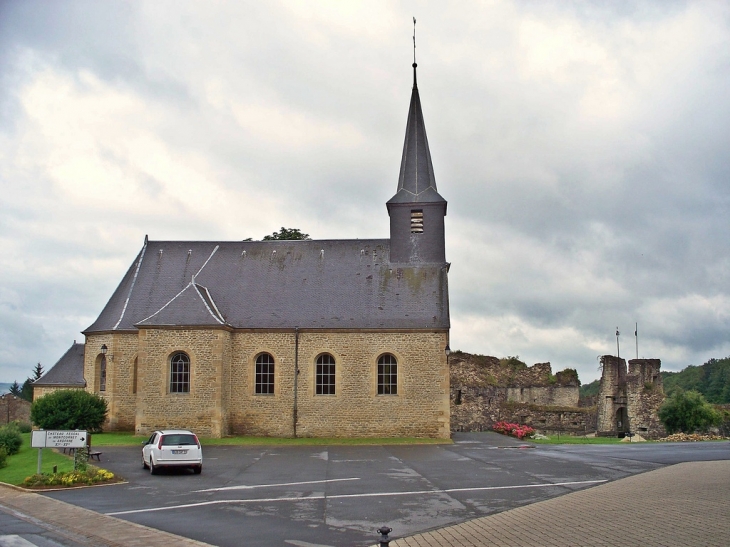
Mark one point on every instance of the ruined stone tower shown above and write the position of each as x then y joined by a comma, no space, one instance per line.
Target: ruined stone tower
628,401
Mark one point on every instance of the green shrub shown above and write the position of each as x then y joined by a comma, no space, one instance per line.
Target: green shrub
69,409
10,439
687,411
23,427
724,426
3,457
513,362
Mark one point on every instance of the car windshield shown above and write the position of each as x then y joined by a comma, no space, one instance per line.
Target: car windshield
178,439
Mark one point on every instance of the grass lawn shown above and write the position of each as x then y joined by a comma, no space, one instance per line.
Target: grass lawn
568,439
25,463
123,438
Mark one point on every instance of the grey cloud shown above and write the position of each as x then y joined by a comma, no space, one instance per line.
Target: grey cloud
557,220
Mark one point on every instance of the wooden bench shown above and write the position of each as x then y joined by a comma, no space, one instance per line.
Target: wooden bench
91,454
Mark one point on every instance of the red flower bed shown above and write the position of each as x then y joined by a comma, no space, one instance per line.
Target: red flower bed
514,430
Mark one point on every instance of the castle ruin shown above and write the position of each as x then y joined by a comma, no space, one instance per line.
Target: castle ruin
628,400
487,390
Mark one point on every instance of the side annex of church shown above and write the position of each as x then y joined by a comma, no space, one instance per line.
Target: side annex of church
324,338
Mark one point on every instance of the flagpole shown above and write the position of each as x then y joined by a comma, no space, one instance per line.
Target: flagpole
636,334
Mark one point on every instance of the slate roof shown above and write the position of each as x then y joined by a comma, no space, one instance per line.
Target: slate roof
68,371
416,181
330,284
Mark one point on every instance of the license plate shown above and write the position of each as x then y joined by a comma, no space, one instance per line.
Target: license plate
179,451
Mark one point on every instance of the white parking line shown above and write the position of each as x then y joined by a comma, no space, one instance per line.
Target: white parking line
341,496
248,487
15,541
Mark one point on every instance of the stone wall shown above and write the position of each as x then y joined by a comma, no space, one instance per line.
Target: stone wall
478,409
14,409
550,395
222,400
121,376
486,390
554,420
629,399
645,394
45,390
200,408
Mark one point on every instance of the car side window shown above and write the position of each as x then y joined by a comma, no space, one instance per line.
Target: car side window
152,439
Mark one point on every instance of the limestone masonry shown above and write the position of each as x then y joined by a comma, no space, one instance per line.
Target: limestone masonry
486,390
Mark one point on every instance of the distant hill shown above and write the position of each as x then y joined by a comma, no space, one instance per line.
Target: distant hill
590,390
711,379
5,388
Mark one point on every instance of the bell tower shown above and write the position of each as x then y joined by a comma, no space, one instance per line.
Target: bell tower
416,210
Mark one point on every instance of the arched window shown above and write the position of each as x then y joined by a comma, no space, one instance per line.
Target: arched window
387,375
325,375
102,373
179,373
264,383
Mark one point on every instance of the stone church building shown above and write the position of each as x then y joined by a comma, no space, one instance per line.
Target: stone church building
286,338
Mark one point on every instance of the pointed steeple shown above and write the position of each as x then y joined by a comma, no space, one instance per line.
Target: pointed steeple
416,181
416,210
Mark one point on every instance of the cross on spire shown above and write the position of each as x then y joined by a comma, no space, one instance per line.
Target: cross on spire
414,41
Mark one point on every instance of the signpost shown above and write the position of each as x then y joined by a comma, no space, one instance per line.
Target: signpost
51,438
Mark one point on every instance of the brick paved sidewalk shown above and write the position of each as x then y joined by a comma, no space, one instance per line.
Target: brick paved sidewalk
82,527
681,505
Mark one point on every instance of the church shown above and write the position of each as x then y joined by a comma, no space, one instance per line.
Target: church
314,338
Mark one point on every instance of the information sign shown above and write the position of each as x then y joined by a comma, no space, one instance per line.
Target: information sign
58,439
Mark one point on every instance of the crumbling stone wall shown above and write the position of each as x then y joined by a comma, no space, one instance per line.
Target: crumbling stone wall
550,395
645,394
486,390
629,399
554,420
14,409
611,396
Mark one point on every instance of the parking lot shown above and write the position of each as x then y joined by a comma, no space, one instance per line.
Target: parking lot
339,495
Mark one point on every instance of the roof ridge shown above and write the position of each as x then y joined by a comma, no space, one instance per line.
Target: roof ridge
167,303
217,317
134,279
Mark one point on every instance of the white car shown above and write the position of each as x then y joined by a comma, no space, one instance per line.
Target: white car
172,448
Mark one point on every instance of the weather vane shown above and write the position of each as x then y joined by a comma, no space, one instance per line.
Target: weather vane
414,40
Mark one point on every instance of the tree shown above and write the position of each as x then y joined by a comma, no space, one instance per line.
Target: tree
26,392
69,409
687,411
37,372
287,233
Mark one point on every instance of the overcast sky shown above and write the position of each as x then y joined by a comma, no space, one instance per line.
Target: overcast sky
583,150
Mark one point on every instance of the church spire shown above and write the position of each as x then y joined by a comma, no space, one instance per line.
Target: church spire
416,181
416,210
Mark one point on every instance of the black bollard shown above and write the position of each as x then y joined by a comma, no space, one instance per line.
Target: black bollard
384,539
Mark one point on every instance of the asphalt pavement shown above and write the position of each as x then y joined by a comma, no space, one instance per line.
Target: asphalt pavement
483,489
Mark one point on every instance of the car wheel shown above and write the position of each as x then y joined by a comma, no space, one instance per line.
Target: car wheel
197,469
153,468
144,464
